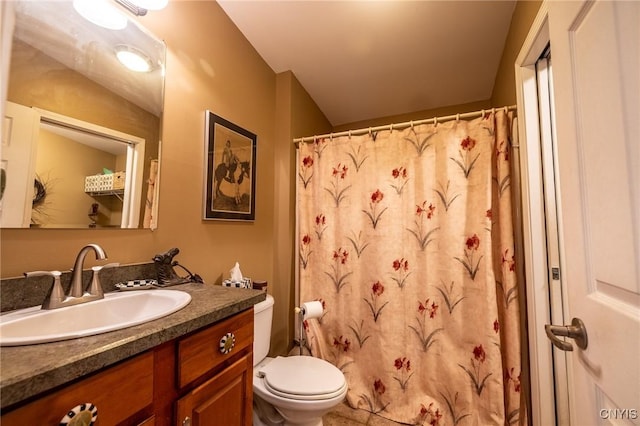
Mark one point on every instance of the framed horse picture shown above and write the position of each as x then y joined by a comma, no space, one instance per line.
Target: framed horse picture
230,164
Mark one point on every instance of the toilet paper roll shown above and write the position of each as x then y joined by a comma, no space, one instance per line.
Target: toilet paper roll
312,309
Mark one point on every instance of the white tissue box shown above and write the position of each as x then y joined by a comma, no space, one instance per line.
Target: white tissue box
245,283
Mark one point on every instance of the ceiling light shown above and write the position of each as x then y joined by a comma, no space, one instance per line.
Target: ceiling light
150,4
101,13
133,58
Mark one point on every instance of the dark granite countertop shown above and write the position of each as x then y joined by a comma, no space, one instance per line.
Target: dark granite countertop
27,371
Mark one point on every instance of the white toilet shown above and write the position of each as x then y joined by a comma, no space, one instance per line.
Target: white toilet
295,390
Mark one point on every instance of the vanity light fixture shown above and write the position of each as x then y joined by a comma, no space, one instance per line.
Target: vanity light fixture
101,12
140,7
150,4
132,58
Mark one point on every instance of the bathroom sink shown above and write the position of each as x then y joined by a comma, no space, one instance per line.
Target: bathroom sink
116,311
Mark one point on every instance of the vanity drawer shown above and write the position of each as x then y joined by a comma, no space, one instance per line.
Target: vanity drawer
117,393
201,352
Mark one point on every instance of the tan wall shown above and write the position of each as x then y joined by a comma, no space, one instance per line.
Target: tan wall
416,115
504,88
297,115
61,165
210,65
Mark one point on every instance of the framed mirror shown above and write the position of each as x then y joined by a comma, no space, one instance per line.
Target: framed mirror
84,119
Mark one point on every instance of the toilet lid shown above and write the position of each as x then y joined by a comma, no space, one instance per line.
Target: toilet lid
303,377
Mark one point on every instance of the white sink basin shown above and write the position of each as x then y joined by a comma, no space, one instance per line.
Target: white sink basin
117,310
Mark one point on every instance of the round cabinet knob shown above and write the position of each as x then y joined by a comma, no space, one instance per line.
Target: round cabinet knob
80,415
186,421
227,343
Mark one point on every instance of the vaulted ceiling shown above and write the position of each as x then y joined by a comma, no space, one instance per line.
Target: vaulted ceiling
361,60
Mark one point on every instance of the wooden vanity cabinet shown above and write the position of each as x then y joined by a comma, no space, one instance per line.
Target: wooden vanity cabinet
185,382
215,387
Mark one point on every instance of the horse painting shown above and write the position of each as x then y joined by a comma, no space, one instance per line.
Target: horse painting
232,176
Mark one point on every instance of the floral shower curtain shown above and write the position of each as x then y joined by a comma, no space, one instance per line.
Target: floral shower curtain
406,238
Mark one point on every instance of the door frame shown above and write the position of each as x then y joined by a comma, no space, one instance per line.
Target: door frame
547,408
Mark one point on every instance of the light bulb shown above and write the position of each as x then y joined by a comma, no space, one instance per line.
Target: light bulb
133,58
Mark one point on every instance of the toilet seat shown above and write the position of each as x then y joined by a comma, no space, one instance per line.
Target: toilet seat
303,378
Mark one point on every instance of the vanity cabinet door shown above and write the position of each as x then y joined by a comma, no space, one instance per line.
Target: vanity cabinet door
223,400
122,394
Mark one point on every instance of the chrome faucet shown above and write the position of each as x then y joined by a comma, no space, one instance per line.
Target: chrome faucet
77,295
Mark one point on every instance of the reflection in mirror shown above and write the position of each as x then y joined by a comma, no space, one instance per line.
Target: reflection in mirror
107,200
64,66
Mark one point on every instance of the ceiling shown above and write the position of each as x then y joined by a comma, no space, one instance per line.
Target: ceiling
361,60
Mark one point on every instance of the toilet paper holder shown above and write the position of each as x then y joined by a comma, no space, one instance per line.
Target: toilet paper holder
308,310
300,312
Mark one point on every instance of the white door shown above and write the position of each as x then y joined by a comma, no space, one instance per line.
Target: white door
19,135
596,78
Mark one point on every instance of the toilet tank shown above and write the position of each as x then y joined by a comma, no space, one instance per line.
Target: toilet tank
263,315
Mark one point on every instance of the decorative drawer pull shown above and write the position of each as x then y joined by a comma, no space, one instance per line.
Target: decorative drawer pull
80,415
227,343
186,421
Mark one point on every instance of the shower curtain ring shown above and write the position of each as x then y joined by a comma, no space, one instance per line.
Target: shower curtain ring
457,118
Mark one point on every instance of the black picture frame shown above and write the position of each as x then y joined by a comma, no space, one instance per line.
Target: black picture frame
230,171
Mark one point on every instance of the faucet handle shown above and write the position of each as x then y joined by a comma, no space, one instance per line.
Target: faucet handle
95,288
56,296
108,265
41,273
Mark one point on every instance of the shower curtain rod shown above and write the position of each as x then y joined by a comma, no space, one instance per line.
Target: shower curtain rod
397,126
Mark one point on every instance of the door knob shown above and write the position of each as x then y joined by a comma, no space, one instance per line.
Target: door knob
575,331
